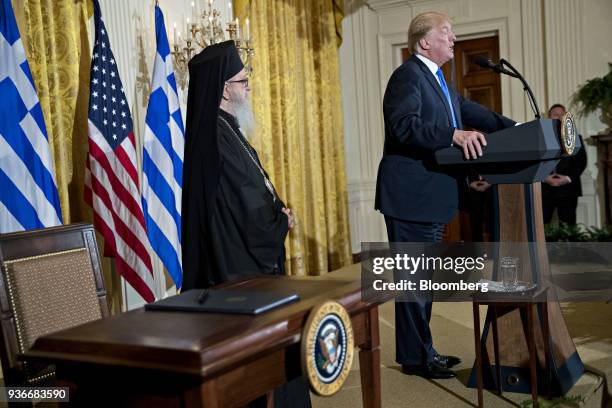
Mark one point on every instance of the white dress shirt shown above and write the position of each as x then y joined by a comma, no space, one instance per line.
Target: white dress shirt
433,67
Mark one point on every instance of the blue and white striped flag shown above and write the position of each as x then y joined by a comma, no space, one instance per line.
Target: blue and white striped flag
162,159
28,194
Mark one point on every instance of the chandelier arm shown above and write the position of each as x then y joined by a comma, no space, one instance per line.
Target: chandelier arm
207,29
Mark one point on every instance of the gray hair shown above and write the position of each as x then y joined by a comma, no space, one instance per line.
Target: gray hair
421,25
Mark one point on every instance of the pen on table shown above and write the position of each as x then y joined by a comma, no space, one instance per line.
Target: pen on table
203,295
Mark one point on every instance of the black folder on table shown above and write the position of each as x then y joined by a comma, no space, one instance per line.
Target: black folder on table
224,301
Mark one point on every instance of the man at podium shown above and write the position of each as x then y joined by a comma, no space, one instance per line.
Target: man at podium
416,196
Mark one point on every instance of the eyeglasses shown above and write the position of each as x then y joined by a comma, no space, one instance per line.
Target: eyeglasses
244,82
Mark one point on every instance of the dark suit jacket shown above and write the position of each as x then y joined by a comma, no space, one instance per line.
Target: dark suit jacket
573,167
410,185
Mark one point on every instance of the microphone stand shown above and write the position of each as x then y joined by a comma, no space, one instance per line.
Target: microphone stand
526,88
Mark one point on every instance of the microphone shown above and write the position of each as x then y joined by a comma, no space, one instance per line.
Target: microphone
499,68
485,63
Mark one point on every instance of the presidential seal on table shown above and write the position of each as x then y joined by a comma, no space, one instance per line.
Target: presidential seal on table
327,348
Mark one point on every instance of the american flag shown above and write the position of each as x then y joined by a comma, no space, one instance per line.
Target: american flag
111,180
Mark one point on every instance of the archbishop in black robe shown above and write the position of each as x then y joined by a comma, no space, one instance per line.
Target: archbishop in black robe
233,222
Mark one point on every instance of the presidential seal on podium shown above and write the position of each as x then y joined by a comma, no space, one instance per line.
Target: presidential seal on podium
327,348
568,133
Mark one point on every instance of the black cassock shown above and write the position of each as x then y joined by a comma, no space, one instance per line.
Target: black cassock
245,228
246,233
248,228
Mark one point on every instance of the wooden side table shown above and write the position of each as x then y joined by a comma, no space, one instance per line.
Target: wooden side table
498,306
206,360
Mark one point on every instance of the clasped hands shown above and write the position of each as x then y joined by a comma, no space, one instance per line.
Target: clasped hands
481,185
557,180
290,217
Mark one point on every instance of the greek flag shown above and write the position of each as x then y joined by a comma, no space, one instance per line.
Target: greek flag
28,194
162,159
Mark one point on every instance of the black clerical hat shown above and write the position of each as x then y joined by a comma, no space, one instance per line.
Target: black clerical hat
224,53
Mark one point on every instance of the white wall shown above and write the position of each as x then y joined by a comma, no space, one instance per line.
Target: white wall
556,44
363,127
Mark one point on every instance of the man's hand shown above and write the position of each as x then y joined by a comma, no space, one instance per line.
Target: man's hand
557,180
470,141
481,185
289,215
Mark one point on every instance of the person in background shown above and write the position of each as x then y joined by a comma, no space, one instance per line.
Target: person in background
561,189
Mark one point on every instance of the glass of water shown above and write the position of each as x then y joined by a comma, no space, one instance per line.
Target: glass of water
508,268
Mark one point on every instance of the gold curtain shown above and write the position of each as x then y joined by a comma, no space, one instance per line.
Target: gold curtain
297,103
55,38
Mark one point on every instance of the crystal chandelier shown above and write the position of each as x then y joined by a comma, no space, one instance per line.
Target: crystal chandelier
207,29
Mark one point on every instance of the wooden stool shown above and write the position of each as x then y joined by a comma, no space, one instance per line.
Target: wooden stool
524,303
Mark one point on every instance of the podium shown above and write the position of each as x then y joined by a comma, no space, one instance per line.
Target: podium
171,359
515,160
521,154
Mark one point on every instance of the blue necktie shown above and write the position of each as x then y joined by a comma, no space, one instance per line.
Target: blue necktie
447,94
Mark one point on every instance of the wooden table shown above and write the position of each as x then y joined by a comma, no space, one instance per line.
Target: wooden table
145,358
497,307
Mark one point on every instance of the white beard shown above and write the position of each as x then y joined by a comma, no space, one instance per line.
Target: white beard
245,117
